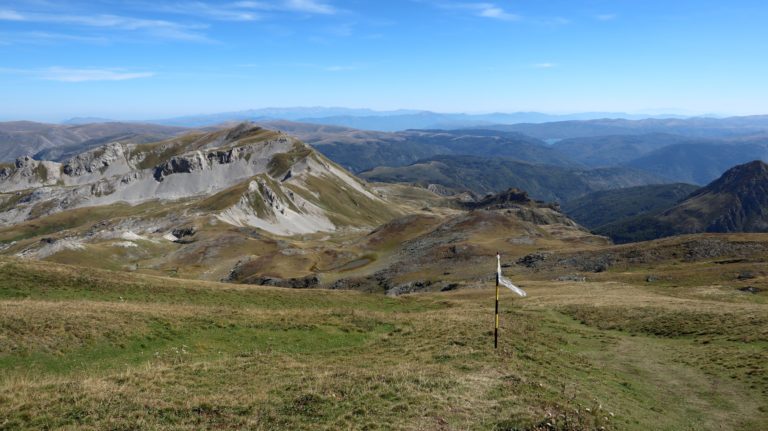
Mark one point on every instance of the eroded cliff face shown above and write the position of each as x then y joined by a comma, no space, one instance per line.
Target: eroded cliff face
282,180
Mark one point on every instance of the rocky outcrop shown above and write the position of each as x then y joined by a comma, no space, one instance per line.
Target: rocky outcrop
96,161
510,198
307,282
179,165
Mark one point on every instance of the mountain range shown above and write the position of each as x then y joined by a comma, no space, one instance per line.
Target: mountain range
649,158
388,121
246,204
696,127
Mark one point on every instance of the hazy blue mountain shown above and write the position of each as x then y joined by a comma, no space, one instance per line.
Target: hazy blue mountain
609,206
698,127
395,120
699,163
267,114
86,120
483,175
615,150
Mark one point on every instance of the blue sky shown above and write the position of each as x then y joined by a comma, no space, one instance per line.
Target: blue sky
154,59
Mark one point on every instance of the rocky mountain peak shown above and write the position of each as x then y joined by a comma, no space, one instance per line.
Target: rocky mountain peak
749,178
735,202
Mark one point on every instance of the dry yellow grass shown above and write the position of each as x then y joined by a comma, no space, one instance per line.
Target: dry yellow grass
90,349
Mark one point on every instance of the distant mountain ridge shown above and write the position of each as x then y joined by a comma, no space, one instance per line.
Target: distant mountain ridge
735,202
615,150
388,121
27,138
482,175
697,127
699,163
610,206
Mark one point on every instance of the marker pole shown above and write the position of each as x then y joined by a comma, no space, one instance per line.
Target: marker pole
496,329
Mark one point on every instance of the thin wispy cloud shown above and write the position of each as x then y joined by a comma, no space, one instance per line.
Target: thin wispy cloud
218,12
67,74
41,37
303,6
63,74
544,65
155,27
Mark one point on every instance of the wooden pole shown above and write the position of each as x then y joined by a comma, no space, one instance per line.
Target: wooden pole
496,328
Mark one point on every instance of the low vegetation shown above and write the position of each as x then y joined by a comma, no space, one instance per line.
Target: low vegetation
93,349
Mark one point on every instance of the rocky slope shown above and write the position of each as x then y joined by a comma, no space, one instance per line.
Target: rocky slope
246,175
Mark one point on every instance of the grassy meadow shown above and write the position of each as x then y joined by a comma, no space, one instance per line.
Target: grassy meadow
94,349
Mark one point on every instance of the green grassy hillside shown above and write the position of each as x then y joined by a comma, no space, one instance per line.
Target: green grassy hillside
92,349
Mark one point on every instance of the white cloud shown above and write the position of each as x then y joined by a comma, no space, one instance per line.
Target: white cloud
487,10
544,65
83,75
483,10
